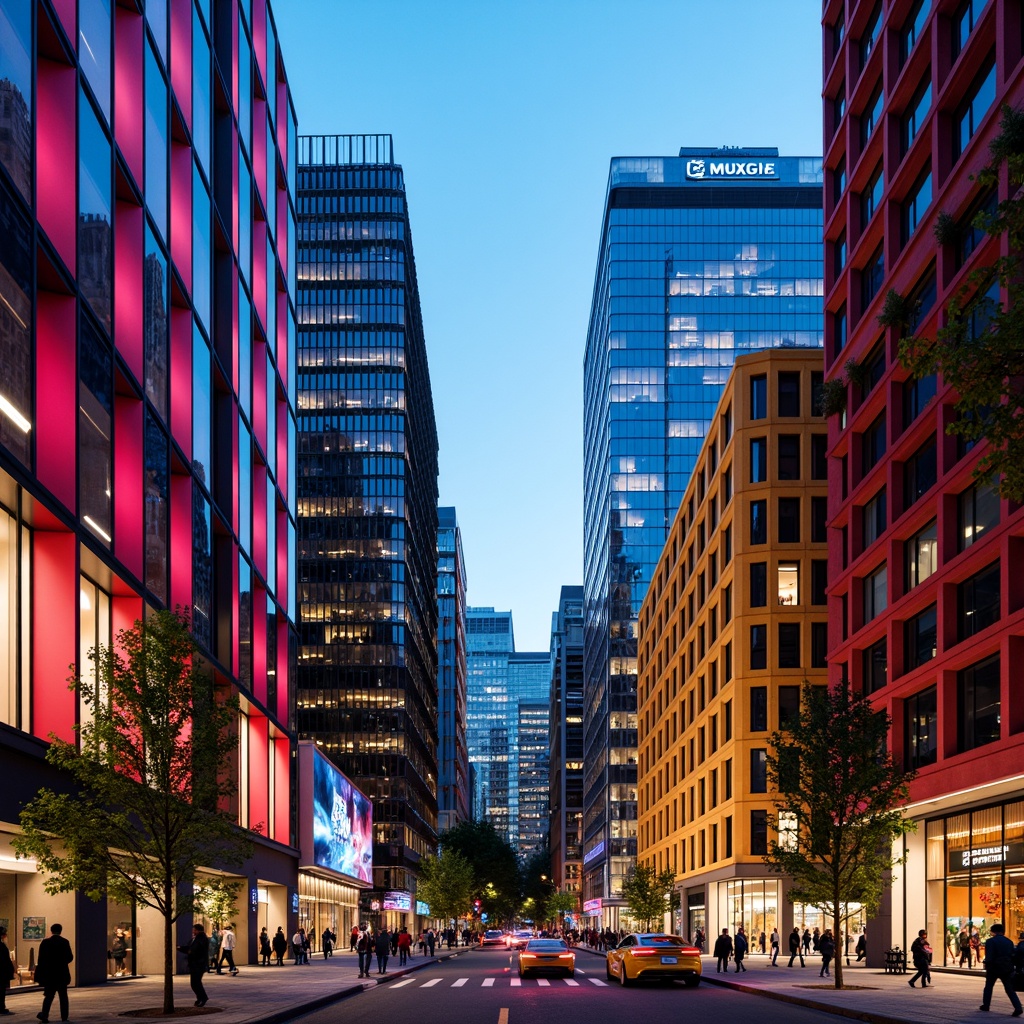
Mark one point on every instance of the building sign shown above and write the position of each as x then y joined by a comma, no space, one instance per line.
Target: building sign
398,900
727,170
422,909
986,856
592,907
595,852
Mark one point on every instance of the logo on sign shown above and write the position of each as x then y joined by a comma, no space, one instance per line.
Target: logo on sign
701,170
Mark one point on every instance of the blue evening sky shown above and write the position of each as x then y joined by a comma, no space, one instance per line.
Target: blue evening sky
505,116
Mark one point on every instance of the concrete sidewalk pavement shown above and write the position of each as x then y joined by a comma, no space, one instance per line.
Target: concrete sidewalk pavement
257,995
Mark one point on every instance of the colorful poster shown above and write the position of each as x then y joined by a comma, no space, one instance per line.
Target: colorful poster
33,928
342,823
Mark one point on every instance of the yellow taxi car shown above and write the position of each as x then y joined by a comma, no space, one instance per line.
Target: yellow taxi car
645,955
541,955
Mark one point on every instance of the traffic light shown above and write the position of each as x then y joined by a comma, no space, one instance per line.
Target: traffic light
476,908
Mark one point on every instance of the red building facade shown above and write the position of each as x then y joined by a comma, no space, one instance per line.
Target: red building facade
147,394
926,610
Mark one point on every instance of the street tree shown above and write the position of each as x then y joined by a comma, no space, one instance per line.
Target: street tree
649,893
838,799
559,904
980,350
150,779
446,884
496,876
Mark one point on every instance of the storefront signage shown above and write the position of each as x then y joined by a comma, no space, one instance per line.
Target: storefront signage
702,170
986,856
595,852
592,907
397,900
423,909
254,898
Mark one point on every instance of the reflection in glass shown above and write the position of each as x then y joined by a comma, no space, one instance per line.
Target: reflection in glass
157,484
154,323
156,143
202,568
16,92
156,15
94,49
244,219
201,398
244,85
94,632
244,624
95,410
201,248
16,376
94,212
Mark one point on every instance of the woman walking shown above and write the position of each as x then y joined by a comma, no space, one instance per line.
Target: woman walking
827,948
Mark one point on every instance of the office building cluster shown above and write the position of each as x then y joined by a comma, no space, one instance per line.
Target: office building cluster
215,396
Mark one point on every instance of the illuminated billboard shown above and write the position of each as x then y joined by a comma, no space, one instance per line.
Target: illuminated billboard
336,819
397,900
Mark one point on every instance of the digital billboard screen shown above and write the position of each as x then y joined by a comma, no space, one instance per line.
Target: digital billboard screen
397,900
342,823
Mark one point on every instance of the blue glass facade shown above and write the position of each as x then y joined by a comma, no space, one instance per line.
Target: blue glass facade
702,257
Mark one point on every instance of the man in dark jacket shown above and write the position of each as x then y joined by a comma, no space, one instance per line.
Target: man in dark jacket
6,970
382,947
723,950
197,952
53,972
999,952
364,950
795,947
740,947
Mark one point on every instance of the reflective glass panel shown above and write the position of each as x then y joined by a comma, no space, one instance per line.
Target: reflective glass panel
201,397
94,212
16,91
94,48
155,322
156,143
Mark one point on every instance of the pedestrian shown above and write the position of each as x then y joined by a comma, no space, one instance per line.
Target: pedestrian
353,938
364,949
297,945
382,947
6,970
213,944
862,946
816,940
279,944
394,942
976,945
999,956
227,950
963,941
795,947
699,939
761,942
723,950
307,945
197,954
807,941
53,972
404,947
118,950
827,948
265,947
776,945
921,954
740,947
327,940
431,939
1018,955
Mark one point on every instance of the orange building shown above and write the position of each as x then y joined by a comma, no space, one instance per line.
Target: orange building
734,621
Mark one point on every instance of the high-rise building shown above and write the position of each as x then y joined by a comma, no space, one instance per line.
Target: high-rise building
566,741
147,385
367,468
454,790
925,603
733,624
532,777
703,257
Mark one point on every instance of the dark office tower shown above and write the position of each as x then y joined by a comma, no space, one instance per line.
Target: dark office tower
367,479
454,791
566,740
703,256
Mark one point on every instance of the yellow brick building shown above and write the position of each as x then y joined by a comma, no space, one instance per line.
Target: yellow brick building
734,620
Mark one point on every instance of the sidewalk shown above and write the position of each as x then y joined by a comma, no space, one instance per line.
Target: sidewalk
258,995
879,998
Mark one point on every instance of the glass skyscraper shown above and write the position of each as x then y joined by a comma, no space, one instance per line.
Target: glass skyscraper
702,257
367,498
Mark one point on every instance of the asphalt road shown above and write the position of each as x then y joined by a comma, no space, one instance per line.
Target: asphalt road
477,987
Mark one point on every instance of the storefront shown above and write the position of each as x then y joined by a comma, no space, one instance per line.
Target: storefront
326,904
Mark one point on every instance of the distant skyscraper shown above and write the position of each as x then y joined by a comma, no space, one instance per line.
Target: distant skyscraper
702,256
454,792
367,479
566,740
532,758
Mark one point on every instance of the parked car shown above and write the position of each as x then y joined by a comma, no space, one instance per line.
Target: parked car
541,955
653,955
493,937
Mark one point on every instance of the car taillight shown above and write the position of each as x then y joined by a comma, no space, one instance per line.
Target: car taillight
648,952
566,956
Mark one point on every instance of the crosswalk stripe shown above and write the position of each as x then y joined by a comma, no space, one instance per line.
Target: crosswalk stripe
399,984
431,983
598,981
573,982
488,982
459,983
544,982
515,982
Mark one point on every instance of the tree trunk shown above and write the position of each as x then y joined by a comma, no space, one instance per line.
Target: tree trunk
837,936
168,948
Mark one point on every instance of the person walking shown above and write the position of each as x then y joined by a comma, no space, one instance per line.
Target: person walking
227,950
963,941
404,947
723,950
53,972
213,944
327,941
298,944
431,940
364,950
862,946
999,955
827,949
6,970
740,947
197,954
795,947
265,947
776,945
921,954
382,947
279,944
807,942
353,938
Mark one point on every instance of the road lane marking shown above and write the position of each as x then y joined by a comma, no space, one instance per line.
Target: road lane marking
399,984
503,1015
573,982
488,982
598,981
459,983
515,982
578,971
430,984
544,983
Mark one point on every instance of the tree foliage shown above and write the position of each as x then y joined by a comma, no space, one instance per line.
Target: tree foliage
561,903
446,883
150,777
838,794
496,879
980,351
649,893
